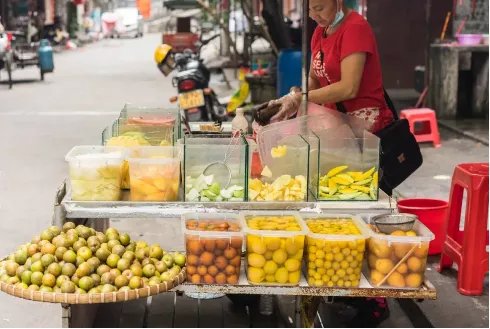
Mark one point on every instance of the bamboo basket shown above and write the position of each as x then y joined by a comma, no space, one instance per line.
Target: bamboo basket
110,297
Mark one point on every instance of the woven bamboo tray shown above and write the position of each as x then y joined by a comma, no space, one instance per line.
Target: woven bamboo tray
110,297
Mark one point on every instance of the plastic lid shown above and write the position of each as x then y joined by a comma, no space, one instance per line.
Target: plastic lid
95,153
228,217
365,231
424,235
278,233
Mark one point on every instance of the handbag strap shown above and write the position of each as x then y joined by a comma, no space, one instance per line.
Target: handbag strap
389,102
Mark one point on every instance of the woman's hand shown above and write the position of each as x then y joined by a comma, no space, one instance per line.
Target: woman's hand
289,106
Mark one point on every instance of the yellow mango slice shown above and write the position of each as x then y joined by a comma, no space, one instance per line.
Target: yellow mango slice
346,177
160,196
367,174
348,191
142,187
362,189
375,179
336,171
340,180
279,151
332,187
161,183
363,182
354,174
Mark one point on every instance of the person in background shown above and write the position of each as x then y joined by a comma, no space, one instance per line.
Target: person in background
345,68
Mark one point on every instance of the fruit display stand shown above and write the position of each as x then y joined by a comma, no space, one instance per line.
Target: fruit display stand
98,214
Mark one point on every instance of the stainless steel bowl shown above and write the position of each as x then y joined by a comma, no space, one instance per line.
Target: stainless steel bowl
388,223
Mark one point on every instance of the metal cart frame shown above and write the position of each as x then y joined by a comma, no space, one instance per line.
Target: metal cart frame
97,215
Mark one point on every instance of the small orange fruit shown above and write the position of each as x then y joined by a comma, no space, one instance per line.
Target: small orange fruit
206,258
421,252
202,270
208,279
192,260
396,280
196,278
236,261
213,270
413,280
230,253
236,243
194,247
402,268
221,262
221,244
415,264
230,269
232,279
220,278
191,270
209,245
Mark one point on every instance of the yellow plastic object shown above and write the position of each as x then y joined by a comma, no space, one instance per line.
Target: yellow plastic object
238,97
335,250
241,95
161,53
275,244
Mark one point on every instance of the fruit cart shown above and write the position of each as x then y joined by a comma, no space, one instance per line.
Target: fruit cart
98,215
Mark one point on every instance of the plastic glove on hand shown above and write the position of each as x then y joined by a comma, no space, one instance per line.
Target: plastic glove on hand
289,106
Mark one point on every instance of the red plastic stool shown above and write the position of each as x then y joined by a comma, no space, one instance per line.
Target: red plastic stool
468,248
429,131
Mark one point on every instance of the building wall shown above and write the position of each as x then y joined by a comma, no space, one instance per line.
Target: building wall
474,13
404,30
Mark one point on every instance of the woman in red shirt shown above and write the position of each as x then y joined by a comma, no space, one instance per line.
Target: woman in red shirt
345,67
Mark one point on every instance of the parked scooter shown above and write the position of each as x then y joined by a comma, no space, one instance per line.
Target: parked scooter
195,98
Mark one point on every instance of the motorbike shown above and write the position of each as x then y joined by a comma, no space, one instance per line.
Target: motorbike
196,99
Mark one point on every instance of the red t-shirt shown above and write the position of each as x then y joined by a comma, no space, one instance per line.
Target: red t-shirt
353,35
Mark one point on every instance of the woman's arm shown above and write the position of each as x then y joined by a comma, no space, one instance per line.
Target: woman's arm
313,82
351,69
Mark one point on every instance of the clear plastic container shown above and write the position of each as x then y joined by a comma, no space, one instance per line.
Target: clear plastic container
334,258
154,132
347,166
152,115
213,246
154,173
399,261
95,172
284,175
270,135
275,245
206,178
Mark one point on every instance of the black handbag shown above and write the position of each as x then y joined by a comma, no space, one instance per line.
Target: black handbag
400,154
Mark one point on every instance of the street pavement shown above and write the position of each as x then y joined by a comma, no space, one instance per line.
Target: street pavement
41,121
